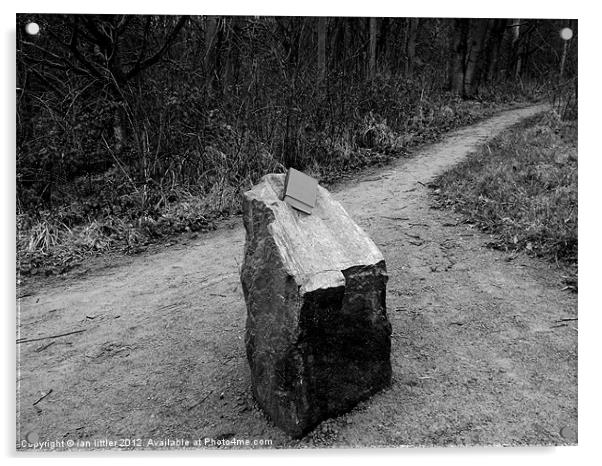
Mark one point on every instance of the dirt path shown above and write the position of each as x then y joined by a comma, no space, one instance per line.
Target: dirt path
478,355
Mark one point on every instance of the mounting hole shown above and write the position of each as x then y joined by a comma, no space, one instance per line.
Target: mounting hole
32,28
566,33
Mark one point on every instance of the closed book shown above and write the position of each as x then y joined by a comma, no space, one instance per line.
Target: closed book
300,190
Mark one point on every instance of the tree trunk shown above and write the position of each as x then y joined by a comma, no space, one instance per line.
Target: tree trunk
525,47
411,45
495,43
210,36
515,50
322,28
373,34
563,59
458,55
474,57
337,41
383,39
232,61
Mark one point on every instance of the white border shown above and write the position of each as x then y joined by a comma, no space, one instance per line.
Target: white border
590,172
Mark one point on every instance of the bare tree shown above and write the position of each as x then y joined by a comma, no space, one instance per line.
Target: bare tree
474,58
210,42
412,32
322,30
458,55
494,44
372,59
516,53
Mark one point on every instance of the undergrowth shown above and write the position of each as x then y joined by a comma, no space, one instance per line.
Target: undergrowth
522,188
108,212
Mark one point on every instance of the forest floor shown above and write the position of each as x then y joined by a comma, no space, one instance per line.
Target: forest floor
484,344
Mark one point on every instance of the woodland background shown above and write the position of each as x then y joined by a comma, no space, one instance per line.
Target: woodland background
133,128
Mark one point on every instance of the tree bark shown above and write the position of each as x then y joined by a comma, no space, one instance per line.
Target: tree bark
458,55
382,50
210,36
322,31
525,50
515,50
373,34
411,45
232,56
495,43
474,57
563,59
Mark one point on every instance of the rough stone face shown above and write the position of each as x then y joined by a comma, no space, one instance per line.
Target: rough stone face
318,339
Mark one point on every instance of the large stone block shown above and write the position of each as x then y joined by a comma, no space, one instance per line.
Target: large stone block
318,339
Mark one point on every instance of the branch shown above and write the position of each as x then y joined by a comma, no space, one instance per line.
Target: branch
48,63
144,43
510,25
77,54
102,38
26,340
122,25
157,56
72,47
69,65
44,78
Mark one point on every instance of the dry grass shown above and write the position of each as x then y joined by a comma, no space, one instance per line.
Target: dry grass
522,187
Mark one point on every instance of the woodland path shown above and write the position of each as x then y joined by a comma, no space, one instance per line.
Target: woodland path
479,352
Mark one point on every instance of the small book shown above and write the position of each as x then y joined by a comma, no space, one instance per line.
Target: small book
300,190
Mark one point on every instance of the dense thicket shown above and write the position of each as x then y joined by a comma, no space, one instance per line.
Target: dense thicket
126,115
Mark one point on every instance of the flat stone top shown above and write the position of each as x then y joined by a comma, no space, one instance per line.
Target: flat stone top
317,247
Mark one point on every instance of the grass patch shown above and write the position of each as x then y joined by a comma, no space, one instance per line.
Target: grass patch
522,187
